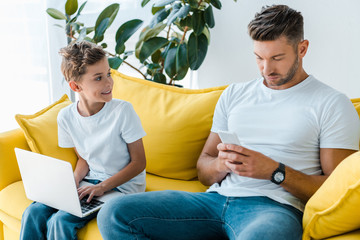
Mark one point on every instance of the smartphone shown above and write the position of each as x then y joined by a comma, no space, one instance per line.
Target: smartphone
229,137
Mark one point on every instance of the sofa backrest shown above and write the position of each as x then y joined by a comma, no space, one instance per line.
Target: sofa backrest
177,122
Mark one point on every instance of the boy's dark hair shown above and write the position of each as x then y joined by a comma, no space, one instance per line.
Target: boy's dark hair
276,21
76,57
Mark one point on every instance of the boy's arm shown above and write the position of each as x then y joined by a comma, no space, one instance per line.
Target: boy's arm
136,165
81,169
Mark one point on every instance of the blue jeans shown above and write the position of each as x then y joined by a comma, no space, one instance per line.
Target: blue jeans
183,215
43,222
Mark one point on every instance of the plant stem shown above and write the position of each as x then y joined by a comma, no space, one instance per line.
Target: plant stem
172,79
183,37
71,37
168,32
113,55
135,69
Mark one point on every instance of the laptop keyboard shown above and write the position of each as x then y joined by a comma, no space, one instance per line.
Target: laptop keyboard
85,207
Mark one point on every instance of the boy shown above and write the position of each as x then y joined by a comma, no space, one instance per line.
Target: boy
106,134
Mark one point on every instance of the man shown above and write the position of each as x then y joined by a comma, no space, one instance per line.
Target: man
294,131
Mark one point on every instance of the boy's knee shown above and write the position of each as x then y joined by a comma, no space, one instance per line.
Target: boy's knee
35,213
58,220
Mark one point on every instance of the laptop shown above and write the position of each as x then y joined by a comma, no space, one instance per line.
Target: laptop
51,181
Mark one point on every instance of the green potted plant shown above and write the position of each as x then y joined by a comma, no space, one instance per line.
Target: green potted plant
76,31
175,40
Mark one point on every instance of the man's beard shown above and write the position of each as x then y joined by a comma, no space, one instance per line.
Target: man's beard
289,75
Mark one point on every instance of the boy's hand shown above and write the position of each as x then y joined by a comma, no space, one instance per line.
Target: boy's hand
91,191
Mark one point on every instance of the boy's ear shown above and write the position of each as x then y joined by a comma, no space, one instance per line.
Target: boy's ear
74,86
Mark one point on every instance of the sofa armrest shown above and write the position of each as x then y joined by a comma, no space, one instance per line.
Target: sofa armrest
9,170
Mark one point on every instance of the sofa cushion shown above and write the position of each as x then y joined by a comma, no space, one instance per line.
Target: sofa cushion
347,236
156,183
333,209
40,131
18,203
177,122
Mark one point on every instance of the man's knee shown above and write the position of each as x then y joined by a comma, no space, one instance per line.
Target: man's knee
284,227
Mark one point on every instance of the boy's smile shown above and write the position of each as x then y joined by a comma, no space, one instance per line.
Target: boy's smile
94,88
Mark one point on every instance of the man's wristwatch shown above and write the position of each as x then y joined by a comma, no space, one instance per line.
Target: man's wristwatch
278,176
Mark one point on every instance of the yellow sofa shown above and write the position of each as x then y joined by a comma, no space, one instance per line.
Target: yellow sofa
177,122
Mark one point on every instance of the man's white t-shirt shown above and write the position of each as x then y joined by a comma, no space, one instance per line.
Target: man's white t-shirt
101,139
289,126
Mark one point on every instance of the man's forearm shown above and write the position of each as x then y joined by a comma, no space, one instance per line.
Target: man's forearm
208,170
301,185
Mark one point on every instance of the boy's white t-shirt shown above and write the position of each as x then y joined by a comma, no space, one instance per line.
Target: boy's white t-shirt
101,139
288,126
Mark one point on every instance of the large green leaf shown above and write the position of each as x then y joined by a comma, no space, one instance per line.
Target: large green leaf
197,48
156,57
159,17
209,17
138,47
166,49
216,3
161,3
198,21
120,49
160,78
71,6
148,32
80,9
182,64
207,34
115,62
89,30
82,34
172,16
156,9
151,46
184,11
144,2
100,30
54,13
186,22
125,31
170,62
177,12
193,3
109,12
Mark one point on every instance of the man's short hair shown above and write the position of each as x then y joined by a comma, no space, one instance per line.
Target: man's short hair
275,21
76,57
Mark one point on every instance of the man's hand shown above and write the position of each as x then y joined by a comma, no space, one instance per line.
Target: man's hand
95,190
246,162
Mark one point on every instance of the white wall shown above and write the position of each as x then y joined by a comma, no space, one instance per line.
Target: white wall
331,26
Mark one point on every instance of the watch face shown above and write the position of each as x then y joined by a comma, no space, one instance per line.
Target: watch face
279,177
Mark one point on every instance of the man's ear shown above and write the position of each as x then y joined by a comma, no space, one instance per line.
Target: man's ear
302,48
74,86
